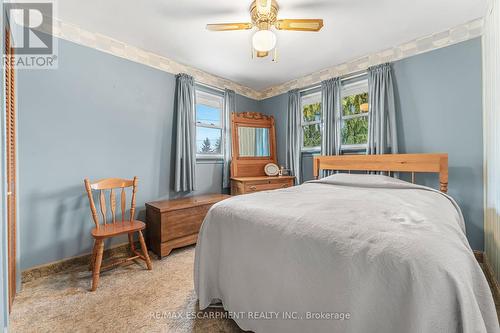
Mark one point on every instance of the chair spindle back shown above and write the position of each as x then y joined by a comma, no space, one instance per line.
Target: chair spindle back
111,184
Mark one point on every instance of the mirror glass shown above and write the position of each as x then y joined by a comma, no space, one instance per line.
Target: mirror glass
253,141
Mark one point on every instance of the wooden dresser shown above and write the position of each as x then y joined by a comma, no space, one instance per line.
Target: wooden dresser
253,146
175,223
242,185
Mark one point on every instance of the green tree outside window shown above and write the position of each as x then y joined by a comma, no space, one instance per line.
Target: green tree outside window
354,126
354,129
312,132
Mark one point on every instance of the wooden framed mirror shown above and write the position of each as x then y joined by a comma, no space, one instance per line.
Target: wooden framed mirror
253,143
253,146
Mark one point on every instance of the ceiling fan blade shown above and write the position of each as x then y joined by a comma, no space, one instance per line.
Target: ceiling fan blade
299,24
229,26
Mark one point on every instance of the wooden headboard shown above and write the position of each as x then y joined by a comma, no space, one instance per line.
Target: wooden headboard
435,163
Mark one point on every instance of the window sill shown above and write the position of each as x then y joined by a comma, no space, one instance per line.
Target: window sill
310,153
349,151
313,150
353,151
209,158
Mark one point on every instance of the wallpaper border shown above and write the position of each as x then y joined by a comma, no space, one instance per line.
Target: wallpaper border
460,33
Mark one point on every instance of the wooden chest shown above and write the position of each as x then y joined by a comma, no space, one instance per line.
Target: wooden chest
242,185
175,223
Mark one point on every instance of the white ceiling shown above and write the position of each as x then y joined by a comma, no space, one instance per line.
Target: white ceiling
352,28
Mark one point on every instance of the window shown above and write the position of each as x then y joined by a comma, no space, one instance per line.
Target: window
354,116
209,124
311,121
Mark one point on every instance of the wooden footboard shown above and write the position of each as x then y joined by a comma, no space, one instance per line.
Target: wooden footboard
412,163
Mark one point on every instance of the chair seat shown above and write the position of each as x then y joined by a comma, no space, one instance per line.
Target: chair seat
118,228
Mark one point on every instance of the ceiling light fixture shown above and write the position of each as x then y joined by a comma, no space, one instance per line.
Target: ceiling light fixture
264,40
264,17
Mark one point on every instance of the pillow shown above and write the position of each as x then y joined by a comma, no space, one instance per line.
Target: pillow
363,180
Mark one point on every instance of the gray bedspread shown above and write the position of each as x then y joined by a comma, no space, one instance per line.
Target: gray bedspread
348,253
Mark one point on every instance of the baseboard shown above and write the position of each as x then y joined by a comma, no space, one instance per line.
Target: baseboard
490,275
479,256
69,263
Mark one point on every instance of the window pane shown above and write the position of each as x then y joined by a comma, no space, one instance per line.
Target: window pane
312,136
352,104
312,112
208,115
208,140
355,130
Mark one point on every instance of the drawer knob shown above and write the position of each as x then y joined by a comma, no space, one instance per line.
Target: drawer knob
253,187
283,185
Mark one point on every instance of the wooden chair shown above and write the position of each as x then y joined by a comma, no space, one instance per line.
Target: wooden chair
114,228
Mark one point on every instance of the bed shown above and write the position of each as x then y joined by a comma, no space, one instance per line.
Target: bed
346,253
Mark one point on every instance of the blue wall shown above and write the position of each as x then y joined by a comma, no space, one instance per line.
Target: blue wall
439,98
96,116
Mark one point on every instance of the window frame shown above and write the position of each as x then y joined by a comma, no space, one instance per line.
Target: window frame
212,94
353,88
310,94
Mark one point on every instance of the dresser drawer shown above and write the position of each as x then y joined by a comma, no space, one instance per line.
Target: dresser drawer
264,186
242,185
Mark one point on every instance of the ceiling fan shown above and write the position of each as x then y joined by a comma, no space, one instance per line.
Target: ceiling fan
264,14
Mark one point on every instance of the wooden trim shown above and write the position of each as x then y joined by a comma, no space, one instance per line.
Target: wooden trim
10,111
433,163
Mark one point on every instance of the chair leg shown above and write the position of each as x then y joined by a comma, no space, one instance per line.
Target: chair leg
97,264
92,257
131,242
145,250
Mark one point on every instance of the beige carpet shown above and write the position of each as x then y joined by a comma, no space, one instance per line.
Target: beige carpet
129,298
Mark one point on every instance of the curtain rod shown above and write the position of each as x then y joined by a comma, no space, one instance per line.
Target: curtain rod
345,77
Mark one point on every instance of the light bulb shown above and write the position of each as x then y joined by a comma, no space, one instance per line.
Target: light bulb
264,40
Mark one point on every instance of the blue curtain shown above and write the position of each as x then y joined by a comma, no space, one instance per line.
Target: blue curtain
229,108
293,134
185,148
331,106
382,135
